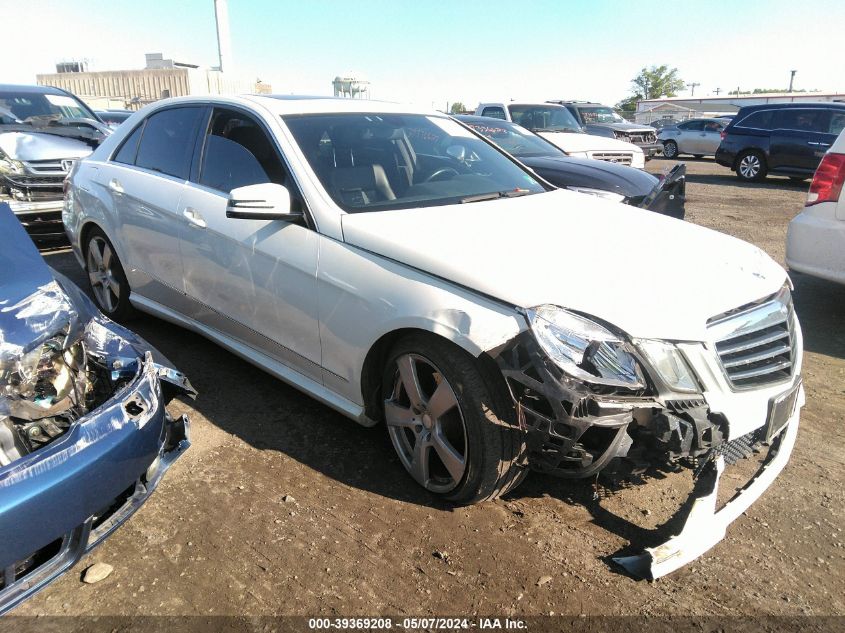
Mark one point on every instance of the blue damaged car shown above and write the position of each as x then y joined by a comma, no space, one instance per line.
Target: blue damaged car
84,434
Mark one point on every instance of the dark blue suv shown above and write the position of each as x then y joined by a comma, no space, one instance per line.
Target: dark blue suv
784,139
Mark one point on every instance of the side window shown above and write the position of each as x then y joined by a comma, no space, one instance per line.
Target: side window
837,123
168,141
126,153
495,112
761,120
238,153
692,126
803,120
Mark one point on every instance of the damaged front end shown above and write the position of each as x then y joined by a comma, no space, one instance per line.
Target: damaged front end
592,400
84,433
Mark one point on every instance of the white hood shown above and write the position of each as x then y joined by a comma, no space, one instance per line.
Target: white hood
575,142
650,275
40,146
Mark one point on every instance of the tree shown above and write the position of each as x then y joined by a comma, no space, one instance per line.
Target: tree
656,82
629,104
457,108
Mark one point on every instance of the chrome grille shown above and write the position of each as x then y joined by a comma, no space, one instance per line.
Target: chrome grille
623,158
756,345
641,137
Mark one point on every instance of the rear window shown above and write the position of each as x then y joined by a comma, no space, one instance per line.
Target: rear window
168,141
494,111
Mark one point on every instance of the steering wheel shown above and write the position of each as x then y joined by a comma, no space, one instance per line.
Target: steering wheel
438,173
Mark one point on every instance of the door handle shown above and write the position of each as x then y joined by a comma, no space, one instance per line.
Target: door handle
818,144
194,218
114,185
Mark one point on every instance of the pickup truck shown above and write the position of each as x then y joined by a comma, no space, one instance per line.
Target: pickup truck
603,121
556,124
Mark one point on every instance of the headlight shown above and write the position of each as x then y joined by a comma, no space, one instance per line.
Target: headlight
10,165
584,349
666,360
601,193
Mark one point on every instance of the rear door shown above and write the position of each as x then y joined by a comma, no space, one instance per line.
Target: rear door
799,139
145,180
254,280
688,137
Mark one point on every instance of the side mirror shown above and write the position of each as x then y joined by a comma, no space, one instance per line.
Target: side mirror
266,201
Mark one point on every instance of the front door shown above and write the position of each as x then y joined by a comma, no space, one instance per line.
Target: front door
254,280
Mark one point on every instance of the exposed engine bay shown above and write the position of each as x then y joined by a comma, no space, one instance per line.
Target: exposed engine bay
73,365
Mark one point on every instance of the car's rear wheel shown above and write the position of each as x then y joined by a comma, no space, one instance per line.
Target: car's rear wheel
751,166
446,426
670,149
105,274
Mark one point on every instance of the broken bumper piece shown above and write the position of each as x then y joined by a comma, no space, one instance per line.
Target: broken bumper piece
73,493
705,526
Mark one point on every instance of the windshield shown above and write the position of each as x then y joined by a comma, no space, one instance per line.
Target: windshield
376,162
514,139
29,107
600,114
544,118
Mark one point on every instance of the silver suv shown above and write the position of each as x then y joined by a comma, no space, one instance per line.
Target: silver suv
43,131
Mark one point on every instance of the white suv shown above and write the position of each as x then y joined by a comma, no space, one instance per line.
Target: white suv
401,269
815,242
555,123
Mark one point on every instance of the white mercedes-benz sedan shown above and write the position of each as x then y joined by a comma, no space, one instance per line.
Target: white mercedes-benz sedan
402,269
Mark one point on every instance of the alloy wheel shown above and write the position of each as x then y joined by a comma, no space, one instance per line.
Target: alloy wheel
670,149
104,283
750,166
426,424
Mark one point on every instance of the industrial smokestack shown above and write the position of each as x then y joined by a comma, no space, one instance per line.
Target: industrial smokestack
224,41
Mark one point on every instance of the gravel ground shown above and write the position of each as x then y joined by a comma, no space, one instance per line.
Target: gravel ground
284,507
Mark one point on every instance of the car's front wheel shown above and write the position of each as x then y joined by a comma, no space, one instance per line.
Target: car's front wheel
751,166
106,276
450,432
670,149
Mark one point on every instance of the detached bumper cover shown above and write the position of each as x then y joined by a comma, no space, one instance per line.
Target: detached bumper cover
705,526
669,195
60,502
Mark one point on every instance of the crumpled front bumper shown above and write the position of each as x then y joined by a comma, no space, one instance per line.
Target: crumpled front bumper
705,526
58,503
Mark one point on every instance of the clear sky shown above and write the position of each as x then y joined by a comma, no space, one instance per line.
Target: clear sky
435,51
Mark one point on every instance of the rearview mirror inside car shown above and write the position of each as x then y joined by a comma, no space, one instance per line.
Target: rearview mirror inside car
265,201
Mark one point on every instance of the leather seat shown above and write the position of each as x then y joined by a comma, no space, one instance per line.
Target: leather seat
359,186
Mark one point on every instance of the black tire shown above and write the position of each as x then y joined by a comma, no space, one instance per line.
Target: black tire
493,446
670,149
751,166
105,278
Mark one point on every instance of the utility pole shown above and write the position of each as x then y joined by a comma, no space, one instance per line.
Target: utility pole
791,78
717,91
692,87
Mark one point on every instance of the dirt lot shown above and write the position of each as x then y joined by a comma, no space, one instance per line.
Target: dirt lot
359,537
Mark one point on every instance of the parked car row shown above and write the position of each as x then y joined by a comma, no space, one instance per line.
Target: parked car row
555,123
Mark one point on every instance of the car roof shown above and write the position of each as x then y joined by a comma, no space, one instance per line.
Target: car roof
794,104
304,104
31,89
